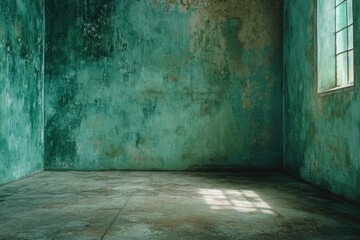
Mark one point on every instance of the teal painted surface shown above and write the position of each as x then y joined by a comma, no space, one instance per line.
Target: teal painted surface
168,85
322,133
21,88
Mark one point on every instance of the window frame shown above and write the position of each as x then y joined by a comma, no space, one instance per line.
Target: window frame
344,87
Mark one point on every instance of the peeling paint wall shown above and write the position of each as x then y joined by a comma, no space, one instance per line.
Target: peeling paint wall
21,88
163,84
322,133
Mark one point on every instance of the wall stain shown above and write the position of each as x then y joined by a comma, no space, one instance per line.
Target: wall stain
321,145
175,86
21,86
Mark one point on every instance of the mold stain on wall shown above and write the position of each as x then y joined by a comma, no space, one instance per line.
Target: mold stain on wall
321,132
163,84
21,88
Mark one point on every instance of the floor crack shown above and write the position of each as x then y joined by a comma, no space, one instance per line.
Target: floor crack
114,220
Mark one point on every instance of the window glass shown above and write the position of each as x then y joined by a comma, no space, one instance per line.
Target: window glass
341,71
350,12
338,2
341,16
350,37
351,67
341,41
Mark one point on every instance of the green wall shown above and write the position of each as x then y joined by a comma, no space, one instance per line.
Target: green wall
173,85
321,133
21,88
167,85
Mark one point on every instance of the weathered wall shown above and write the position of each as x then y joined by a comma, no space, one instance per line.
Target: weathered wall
322,133
21,88
163,84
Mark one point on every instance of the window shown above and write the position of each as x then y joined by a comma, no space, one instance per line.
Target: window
344,43
335,45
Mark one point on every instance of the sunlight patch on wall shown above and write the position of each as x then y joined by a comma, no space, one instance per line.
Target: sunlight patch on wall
239,200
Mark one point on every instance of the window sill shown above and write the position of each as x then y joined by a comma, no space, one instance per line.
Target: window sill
336,90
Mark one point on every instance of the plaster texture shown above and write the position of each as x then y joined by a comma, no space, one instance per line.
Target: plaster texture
321,131
166,85
172,205
22,34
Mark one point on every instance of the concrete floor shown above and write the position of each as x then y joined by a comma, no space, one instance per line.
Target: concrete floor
171,205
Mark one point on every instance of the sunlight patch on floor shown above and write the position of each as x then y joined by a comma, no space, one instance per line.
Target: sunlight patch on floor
239,200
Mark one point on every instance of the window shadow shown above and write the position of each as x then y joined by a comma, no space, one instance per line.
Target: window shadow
244,201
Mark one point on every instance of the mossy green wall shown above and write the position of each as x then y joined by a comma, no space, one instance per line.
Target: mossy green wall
163,84
321,133
21,88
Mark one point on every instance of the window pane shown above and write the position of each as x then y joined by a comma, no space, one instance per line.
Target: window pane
350,37
341,69
341,16
351,67
341,41
338,1
350,12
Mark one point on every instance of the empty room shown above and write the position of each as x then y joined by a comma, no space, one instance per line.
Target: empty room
179,119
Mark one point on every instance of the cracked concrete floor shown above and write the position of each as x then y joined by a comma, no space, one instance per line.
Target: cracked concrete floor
172,205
